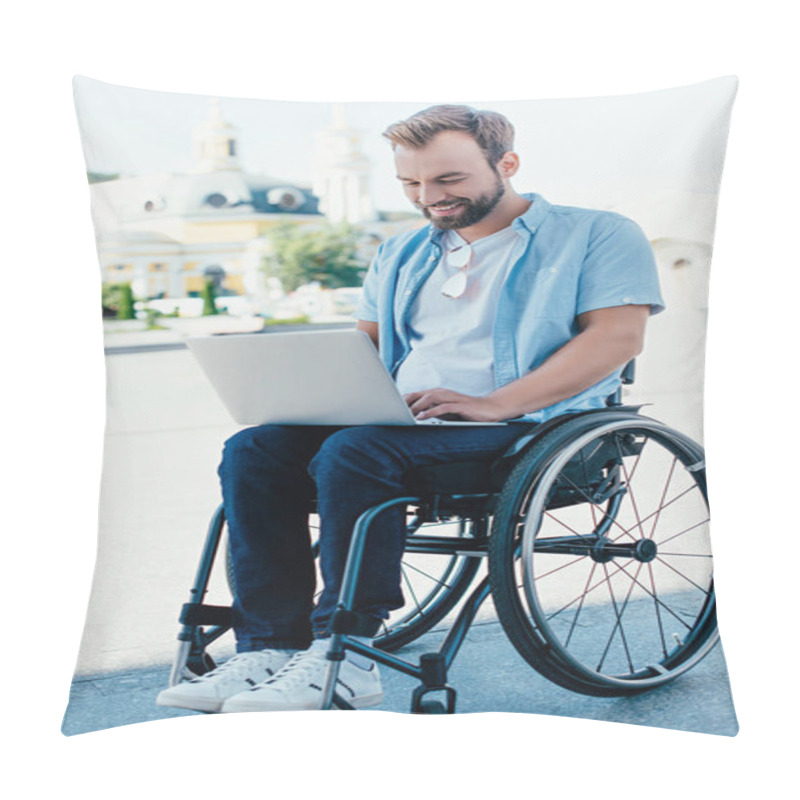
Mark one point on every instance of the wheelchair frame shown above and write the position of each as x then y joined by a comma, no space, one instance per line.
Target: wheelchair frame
528,481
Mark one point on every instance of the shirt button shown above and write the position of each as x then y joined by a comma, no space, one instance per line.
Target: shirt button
626,300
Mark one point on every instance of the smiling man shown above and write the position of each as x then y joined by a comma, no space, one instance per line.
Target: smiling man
505,308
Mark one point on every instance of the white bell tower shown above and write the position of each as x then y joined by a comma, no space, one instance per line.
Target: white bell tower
342,175
216,144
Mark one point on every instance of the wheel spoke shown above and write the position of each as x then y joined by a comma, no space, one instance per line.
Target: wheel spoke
685,530
678,572
438,581
663,497
661,508
410,588
589,500
587,537
557,569
657,611
618,624
629,484
580,606
654,595
584,593
685,555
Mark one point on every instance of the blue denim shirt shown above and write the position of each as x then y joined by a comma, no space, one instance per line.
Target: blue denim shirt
566,261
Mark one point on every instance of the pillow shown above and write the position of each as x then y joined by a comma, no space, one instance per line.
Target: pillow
233,216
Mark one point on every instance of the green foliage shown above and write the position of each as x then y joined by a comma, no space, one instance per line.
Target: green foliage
99,177
118,301
209,298
301,255
126,310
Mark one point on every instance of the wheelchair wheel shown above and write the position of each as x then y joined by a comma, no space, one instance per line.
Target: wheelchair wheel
599,559
432,586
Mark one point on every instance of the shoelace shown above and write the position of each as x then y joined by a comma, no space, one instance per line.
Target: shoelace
238,667
298,671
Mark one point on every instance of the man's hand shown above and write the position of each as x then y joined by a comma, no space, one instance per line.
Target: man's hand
453,405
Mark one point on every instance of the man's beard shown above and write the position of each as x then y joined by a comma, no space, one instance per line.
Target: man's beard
472,213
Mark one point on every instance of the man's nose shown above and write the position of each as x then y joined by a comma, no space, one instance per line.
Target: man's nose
430,195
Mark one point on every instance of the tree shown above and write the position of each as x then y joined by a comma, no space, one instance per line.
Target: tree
209,298
118,301
327,255
126,310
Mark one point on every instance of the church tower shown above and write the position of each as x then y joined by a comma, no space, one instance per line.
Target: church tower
342,173
216,145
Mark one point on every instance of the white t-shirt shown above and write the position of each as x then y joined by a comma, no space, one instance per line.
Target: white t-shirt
451,338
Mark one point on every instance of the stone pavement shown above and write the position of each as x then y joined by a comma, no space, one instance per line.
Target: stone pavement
488,675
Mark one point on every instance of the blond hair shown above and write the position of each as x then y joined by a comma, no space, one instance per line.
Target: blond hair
493,133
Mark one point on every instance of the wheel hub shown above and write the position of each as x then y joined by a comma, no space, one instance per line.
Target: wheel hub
605,550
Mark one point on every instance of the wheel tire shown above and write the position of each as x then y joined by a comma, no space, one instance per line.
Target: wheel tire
550,602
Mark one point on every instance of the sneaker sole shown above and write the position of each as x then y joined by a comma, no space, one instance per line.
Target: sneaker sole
251,704
191,704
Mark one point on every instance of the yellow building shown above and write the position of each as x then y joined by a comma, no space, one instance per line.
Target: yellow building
166,234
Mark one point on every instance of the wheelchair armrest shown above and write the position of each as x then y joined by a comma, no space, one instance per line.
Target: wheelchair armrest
503,465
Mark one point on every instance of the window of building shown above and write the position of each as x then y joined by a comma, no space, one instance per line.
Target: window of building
216,199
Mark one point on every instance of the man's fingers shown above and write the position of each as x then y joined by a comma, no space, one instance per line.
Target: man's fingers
440,410
423,400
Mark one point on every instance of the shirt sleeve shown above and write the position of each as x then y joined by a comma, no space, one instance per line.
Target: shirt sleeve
619,270
367,308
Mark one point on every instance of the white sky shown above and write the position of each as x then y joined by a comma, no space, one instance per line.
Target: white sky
639,154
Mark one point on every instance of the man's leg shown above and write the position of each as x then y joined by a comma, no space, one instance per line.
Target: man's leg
267,496
355,469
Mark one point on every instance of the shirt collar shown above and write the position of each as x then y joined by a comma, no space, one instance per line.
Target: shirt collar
525,223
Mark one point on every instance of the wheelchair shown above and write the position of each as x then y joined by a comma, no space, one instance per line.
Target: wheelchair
593,528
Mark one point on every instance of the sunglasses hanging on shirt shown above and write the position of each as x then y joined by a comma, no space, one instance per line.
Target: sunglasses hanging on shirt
460,259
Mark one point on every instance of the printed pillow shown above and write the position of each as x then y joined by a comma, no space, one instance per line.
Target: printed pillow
232,216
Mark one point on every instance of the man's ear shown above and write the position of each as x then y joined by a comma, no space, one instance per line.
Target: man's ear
508,165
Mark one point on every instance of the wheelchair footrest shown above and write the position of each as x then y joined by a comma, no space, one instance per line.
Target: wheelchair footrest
201,614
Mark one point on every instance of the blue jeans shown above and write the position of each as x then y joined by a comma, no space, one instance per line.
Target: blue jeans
270,475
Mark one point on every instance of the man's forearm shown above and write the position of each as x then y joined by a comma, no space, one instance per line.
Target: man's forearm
588,358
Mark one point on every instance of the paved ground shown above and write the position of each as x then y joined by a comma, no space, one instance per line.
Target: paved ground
488,675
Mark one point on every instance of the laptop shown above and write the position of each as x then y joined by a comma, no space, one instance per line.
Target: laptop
306,378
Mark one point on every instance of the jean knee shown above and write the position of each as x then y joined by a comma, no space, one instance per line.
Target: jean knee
243,446
352,449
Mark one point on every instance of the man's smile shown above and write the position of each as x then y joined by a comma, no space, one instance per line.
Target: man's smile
444,210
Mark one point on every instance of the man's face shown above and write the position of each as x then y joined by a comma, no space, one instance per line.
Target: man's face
449,180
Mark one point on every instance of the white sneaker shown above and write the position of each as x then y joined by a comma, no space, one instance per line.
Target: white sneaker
298,686
208,692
